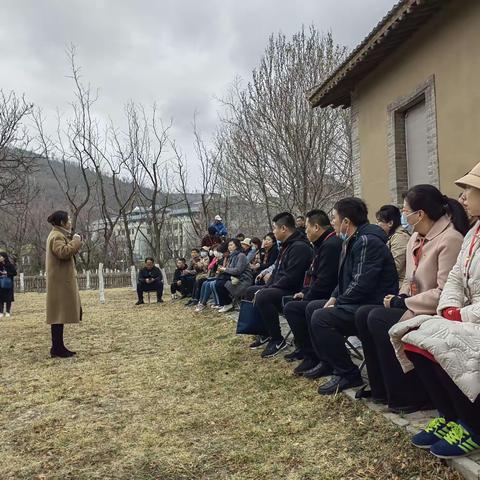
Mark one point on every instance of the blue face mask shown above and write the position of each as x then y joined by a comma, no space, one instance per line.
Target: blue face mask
343,235
405,224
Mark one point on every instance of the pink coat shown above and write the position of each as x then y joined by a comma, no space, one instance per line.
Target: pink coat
439,254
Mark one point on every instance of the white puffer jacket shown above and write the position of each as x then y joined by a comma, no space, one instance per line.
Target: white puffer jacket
455,345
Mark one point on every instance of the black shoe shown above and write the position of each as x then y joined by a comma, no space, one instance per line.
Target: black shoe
61,353
190,303
259,342
337,384
306,365
159,300
295,355
273,348
140,302
321,369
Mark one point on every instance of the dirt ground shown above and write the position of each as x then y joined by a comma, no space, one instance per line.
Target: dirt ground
158,392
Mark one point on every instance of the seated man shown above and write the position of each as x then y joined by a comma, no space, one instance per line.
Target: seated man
367,274
176,285
287,278
320,281
149,280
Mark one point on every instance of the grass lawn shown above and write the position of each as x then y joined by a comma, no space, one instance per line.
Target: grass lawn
157,392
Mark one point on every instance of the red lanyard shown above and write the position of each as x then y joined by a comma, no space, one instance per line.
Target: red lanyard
417,254
474,244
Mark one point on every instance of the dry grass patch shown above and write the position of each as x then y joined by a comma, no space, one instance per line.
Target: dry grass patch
157,392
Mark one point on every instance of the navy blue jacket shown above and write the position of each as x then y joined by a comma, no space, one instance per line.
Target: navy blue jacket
293,261
367,270
324,269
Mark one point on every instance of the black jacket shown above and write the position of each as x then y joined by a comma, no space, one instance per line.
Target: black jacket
269,258
145,273
293,261
7,295
323,272
177,275
367,270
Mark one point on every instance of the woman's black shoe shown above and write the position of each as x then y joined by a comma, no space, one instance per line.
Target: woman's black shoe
363,393
61,353
406,409
294,356
322,369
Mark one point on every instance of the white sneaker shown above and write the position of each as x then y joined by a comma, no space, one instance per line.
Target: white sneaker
215,307
174,296
7,315
226,308
200,307
1,315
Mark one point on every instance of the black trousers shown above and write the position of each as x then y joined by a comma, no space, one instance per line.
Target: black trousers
156,286
197,288
268,300
448,399
386,377
329,327
224,296
8,304
186,285
298,314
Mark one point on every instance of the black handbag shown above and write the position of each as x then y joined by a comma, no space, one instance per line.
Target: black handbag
249,320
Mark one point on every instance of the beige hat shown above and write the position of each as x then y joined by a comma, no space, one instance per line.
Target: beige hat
471,179
246,241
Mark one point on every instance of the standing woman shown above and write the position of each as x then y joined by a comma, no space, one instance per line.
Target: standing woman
7,272
63,299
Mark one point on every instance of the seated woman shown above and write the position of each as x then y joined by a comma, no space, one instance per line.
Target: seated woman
202,274
236,268
445,349
439,224
268,254
388,219
206,289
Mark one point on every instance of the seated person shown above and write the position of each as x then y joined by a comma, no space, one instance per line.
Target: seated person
149,280
320,281
286,279
389,220
431,253
367,274
187,277
202,271
177,285
211,239
268,254
219,227
237,267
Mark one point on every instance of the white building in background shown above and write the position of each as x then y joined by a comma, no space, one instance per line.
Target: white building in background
178,233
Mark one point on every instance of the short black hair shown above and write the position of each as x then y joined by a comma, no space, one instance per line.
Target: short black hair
195,250
223,247
301,217
236,241
284,219
318,217
390,213
58,218
149,258
240,236
354,209
212,230
181,260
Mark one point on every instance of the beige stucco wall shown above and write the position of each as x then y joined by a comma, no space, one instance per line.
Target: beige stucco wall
448,48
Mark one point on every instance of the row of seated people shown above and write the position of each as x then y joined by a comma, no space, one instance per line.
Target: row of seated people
413,300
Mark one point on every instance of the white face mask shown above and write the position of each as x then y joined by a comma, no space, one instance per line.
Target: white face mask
218,254
203,253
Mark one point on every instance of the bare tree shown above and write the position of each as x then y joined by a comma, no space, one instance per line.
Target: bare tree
15,161
277,150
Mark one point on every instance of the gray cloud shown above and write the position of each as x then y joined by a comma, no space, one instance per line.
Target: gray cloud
180,54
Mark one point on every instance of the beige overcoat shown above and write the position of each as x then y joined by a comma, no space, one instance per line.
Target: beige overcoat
63,299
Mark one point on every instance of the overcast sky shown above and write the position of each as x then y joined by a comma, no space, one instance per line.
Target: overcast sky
180,54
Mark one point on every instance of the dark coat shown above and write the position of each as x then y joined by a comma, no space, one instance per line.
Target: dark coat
6,294
210,240
367,270
293,261
323,272
178,274
153,273
269,258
